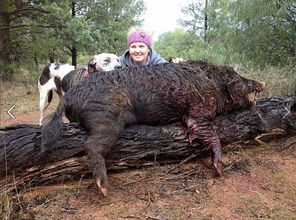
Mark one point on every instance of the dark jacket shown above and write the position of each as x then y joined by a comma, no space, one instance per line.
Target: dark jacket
153,58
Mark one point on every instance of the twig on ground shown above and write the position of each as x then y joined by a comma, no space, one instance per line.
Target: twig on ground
131,216
17,193
274,132
149,201
154,218
288,143
80,182
138,180
182,162
180,176
261,142
205,164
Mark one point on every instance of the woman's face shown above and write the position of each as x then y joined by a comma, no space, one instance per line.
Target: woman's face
139,53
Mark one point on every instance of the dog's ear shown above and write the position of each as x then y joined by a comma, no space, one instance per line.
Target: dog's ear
91,67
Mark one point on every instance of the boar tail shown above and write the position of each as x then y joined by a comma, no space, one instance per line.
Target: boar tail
52,127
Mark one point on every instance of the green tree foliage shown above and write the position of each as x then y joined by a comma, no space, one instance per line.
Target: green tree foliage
35,31
196,20
265,31
14,32
255,32
111,20
191,47
178,44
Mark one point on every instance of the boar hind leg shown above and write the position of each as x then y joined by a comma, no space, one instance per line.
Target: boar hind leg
104,132
96,150
201,128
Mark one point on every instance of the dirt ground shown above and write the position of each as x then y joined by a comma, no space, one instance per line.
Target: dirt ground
259,182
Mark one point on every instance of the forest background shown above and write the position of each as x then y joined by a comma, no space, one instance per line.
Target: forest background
256,37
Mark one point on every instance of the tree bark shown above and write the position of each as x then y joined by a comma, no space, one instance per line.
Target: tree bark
206,21
5,41
22,162
74,56
73,48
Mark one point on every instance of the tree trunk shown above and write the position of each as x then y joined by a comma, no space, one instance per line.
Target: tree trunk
73,49
74,56
206,21
51,56
23,162
5,41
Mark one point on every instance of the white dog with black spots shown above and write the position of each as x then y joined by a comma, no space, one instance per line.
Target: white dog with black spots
60,77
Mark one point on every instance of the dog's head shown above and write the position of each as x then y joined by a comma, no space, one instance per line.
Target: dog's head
103,62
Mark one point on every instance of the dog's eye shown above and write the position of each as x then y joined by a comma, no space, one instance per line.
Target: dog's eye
107,60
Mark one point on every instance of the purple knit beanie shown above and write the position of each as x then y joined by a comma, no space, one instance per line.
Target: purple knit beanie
139,36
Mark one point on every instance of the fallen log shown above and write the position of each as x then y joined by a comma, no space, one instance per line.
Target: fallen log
22,162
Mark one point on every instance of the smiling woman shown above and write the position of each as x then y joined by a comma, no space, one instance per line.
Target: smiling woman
139,52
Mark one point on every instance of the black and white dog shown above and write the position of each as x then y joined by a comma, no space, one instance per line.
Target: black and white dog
60,77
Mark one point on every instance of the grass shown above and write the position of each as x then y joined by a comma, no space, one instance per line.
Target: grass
24,96
255,206
283,214
5,206
279,81
265,206
18,206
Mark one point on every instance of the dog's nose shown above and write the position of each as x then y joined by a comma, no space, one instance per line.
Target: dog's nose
118,67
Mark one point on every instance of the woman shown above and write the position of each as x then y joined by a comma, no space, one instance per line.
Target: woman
139,50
